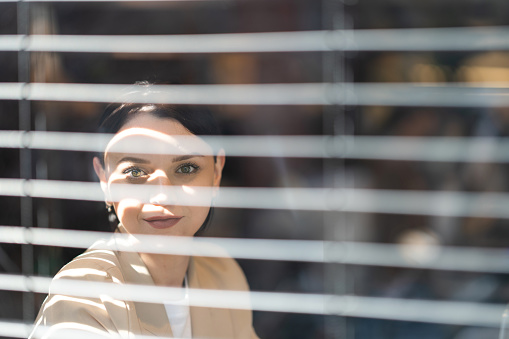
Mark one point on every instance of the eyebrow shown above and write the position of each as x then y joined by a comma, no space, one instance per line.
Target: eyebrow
186,157
134,160
144,161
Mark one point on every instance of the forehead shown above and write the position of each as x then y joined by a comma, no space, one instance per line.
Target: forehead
148,134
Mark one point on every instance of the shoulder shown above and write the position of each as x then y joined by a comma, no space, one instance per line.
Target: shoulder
63,309
95,264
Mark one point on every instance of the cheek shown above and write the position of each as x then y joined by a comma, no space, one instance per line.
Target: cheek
201,195
127,210
199,214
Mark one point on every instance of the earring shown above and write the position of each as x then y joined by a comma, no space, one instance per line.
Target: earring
111,215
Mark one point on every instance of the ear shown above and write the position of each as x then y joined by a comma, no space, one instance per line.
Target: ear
101,174
218,167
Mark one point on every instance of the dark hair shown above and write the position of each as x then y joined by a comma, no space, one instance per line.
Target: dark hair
196,119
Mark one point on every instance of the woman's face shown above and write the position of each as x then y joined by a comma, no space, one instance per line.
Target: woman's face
149,209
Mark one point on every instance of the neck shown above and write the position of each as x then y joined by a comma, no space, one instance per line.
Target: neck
166,270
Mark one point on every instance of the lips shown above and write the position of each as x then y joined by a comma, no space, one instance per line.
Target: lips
162,222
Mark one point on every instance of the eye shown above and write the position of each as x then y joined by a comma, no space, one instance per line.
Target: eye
135,172
187,168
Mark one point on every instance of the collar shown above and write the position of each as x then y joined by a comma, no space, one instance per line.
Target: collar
202,274
152,317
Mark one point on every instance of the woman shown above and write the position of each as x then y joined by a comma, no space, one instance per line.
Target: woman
133,158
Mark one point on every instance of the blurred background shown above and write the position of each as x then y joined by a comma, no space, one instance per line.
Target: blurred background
243,16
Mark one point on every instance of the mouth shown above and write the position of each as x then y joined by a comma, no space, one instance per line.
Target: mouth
162,222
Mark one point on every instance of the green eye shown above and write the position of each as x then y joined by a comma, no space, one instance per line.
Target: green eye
187,169
136,173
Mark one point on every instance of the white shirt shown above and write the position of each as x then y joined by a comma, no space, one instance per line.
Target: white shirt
177,310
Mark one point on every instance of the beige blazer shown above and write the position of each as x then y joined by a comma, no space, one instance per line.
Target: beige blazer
108,318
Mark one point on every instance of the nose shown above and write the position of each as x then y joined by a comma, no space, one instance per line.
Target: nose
159,199
160,196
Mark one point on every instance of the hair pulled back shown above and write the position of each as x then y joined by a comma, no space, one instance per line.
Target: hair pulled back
196,119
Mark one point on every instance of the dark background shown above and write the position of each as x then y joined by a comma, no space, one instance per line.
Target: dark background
204,17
